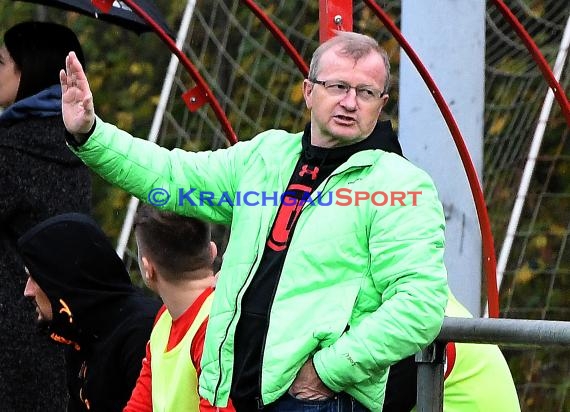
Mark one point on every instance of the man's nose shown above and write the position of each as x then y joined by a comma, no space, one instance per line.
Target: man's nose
349,100
29,290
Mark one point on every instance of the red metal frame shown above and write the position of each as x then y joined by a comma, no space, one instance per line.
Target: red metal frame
279,35
334,15
199,94
337,15
489,259
537,56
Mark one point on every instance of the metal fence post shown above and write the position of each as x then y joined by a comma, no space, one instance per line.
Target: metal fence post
430,377
518,333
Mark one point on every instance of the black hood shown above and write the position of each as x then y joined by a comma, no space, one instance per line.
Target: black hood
72,261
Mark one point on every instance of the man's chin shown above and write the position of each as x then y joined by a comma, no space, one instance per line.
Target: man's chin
339,140
43,325
341,135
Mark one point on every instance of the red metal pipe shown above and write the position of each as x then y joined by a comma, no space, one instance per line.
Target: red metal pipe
279,35
489,261
334,15
537,56
200,82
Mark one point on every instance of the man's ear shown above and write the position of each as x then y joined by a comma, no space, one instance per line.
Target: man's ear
383,103
213,252
149,271
307,93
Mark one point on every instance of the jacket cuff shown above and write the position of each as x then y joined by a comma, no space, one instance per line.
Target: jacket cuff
77,140
325,377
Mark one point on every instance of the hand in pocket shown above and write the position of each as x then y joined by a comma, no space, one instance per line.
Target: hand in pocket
307,385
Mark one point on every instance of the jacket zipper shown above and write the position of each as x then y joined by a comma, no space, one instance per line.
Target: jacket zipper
227,331
259,400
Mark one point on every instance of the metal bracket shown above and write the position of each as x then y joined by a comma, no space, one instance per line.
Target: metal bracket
195,98
103,5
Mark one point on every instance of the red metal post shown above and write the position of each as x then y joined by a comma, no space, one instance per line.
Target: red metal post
334,15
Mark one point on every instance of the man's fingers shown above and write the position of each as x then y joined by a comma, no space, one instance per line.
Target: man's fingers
88,103
63,80
71,58
68,63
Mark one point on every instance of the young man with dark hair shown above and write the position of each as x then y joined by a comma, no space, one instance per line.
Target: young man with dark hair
176,258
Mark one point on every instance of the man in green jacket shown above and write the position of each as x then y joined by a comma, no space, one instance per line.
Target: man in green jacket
334,268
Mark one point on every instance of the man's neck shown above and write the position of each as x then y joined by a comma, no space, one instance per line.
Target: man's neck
179,296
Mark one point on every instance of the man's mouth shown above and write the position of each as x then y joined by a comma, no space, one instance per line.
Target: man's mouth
38,311
344,119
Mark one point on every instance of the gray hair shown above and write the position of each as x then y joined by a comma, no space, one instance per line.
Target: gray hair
354,45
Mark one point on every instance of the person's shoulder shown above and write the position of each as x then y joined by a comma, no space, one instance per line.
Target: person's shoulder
42,139
456,309
393,172
49,122
138,317
32,130
142,306
269,144
399,165
274,143
276,137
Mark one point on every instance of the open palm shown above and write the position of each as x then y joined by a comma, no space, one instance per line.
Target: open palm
77,101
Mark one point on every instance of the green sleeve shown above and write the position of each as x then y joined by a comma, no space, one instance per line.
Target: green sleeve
199,184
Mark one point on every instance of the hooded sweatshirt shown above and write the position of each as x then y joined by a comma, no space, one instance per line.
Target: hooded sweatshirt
97,312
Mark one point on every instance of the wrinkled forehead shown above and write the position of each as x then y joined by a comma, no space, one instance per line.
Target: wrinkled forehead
362,68
340,52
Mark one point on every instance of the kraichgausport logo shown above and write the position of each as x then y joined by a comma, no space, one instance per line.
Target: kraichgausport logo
161,197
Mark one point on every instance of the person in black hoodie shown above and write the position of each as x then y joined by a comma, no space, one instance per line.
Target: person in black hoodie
85,299
39,177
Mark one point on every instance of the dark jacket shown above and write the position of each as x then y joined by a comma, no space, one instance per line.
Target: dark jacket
39,178
104,320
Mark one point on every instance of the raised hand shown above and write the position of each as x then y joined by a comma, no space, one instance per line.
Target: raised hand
76,100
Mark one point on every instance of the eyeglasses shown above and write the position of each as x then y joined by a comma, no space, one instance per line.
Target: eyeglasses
340,88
